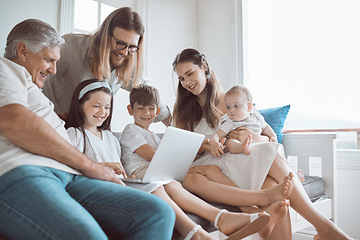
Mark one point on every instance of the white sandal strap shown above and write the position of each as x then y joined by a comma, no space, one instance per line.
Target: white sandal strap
218,216
254,216
192,232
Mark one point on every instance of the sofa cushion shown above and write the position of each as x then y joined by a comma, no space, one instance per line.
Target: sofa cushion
314,187
276,117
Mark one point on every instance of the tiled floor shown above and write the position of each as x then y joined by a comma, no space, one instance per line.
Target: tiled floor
308,234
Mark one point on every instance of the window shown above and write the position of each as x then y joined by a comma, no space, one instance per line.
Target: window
85,16
307,54
89,14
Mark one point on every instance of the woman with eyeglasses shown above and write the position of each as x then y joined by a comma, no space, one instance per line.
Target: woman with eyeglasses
114,53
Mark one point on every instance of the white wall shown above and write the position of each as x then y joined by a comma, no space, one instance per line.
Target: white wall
14,11
172,28
219,38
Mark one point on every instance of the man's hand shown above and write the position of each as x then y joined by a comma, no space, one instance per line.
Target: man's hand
33,134
116,166
101,172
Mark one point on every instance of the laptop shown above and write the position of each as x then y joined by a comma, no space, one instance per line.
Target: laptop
173,157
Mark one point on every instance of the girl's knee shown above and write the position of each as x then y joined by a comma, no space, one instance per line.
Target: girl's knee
173,185
192,180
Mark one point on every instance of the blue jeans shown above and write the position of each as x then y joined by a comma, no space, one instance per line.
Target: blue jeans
45,203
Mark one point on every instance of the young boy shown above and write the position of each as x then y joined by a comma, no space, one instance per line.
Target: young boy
241,113
137,142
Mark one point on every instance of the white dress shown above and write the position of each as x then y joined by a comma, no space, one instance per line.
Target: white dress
246,171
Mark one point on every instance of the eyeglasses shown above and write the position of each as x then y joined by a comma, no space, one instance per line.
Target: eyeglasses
120,45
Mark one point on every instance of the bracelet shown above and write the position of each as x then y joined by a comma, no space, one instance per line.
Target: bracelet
192,232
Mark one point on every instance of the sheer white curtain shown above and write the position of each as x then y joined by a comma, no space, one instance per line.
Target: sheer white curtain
305,53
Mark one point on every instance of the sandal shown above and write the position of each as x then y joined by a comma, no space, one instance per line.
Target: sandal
257,222
192,232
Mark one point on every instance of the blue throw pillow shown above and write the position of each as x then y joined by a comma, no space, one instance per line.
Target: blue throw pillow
275,117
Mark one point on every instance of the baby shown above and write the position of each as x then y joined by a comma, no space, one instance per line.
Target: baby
241,113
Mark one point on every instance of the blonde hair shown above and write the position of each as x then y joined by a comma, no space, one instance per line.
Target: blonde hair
100,47
187,109
242,91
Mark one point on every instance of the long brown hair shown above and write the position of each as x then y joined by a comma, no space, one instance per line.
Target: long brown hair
187,109
76,116
100,47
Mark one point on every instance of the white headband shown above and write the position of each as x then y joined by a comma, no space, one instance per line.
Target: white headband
93,86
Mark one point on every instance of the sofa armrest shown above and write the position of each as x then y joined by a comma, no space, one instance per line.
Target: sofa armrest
322,145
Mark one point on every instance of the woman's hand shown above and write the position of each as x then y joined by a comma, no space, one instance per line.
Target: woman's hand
205,147
216,148
116,166
195,170
242,133
273,139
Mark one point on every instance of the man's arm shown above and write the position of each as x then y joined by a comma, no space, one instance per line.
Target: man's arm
30,132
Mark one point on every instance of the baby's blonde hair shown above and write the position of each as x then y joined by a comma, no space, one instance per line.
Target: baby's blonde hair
242,91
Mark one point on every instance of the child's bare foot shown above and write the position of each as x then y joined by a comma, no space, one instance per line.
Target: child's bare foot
300,175
276,210
246,145
230,222
279,192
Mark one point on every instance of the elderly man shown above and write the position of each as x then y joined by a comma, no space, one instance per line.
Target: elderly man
48,189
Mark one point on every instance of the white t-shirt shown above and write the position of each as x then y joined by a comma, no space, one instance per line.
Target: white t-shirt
255,123
131,139
16,87
106,149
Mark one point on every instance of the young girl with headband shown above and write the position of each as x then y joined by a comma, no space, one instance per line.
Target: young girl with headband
88,123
